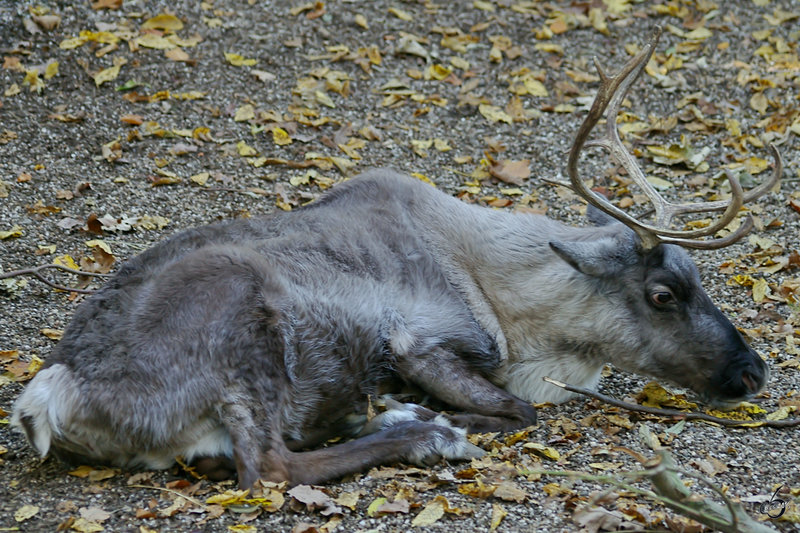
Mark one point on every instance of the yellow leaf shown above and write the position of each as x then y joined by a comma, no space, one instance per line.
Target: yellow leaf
550,48
617,7
654,395
107,74
361,20
53,334
281,137
348,499
176,54
698,34
459,62
755,165
66,261
243,528
190,95
16,231
759,102
494,114
81,471
51,70
229,497
498,513
659,183
741,279
598,20
323,98
399,13
72,42
441,145
782,412
185,43
81,525
246,112
429,515
541,449
438,72
372,510
237,60
14,89
163,22
200,178
99,243
33,80
760,290
157,42
245,150
733,127
423,177
25,512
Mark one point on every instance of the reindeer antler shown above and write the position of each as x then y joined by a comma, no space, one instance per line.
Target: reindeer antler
612,91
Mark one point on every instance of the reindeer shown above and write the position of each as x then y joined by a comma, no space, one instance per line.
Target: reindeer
244,345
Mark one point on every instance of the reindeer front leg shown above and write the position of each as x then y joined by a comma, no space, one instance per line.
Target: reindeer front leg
444,375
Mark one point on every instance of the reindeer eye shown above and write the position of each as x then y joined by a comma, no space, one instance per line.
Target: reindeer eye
661,297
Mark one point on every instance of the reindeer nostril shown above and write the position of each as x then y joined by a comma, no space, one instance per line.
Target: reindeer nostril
750,382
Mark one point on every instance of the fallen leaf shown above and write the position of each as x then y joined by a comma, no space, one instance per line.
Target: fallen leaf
402,15
25,512
163,22
314,499
494,114
498,513
52,334
94,514
15,231
237,60
514,172
281,137
246,112
429,515
108,74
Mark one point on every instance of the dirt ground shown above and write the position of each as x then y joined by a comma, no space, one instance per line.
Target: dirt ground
125,128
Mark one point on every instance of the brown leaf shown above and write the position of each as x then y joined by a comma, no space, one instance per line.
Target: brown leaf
106,4
510,492
94,514
514,172
599,519
400,505
133,120
314,499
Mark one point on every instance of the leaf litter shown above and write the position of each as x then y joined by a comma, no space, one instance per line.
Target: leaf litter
518,71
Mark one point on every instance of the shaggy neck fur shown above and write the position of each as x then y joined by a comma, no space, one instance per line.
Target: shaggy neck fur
529,298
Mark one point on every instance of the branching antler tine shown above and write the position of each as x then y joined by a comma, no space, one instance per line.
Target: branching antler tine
741,231
749,196
609,93
732,207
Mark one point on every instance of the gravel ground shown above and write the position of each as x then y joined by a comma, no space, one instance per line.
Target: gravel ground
55,173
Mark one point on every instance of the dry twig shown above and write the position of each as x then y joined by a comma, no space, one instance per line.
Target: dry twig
37,273
674,413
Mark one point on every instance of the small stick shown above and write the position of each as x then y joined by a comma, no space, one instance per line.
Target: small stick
36,272
173,491
674,413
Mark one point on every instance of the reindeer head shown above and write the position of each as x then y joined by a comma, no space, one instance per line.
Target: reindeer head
662,308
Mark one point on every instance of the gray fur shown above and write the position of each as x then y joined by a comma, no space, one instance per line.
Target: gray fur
252,338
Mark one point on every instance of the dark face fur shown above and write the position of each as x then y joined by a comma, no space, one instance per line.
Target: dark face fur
711,356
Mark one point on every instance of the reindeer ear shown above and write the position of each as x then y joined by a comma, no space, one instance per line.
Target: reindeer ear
602,257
